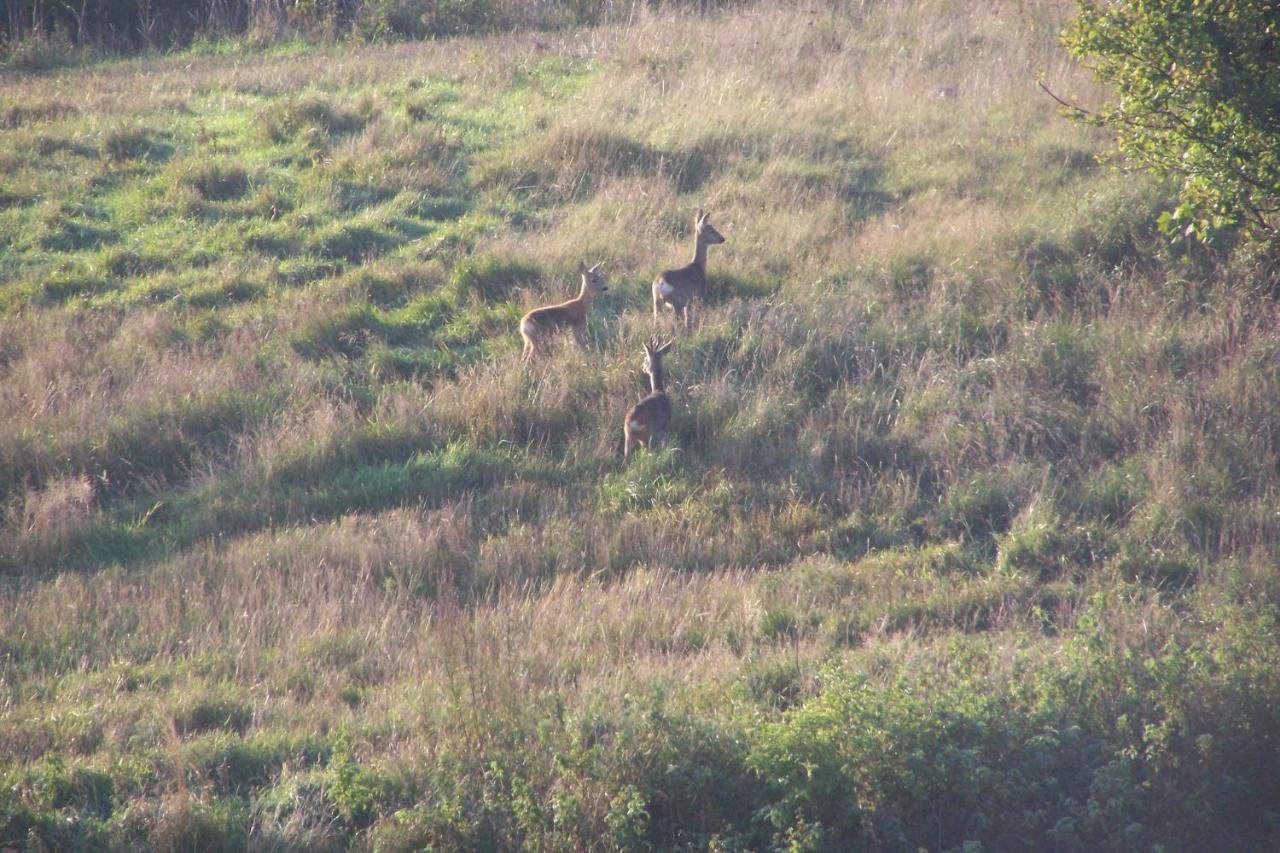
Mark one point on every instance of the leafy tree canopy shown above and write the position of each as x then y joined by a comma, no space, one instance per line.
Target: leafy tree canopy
1197,87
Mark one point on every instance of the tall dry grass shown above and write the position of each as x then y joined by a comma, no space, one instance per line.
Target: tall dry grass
292,549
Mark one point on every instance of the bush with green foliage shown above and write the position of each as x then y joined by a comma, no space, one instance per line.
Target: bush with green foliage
1198,86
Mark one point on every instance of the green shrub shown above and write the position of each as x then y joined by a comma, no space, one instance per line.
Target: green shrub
775,680
1196,89
1111,749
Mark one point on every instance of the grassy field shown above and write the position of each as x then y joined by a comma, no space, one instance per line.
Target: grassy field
966,537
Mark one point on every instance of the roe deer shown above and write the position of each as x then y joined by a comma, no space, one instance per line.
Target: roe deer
540,323
648,421
677,287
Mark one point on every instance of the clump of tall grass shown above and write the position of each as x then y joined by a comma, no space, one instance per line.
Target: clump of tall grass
219,181
41,524
128,142
311,118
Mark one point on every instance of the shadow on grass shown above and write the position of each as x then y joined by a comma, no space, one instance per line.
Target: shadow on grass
148,529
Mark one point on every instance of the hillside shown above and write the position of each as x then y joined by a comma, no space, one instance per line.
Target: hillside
966,533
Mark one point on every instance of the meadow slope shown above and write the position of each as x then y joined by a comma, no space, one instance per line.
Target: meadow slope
966,534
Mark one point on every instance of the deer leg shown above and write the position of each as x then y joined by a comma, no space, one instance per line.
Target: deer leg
686,316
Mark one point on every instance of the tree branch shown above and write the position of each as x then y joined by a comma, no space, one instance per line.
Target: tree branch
1081,110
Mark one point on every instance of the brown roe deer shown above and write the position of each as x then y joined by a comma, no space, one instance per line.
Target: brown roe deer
540,324
649,420
677,287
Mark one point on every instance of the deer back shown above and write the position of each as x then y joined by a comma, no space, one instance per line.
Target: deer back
572,313
679,284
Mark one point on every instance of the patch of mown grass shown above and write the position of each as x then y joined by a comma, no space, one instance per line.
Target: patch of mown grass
134,261
431,477
431,336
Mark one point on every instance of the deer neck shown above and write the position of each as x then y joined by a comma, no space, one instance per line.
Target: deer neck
699,253
657,379
585,296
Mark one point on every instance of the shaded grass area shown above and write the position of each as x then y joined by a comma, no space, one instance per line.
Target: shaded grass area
965,535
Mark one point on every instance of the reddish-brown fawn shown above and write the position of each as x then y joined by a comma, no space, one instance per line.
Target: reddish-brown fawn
677,287
540,324
648,421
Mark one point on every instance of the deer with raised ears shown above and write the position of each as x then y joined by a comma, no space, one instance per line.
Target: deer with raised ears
677,287
649,420
540,324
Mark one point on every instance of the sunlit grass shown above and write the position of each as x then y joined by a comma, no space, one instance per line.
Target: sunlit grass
294,555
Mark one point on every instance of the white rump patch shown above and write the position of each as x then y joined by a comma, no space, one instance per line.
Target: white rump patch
528,327
635,425
665,289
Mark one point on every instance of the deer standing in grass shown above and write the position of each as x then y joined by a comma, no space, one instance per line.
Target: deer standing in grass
541,323
649,420
677,287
